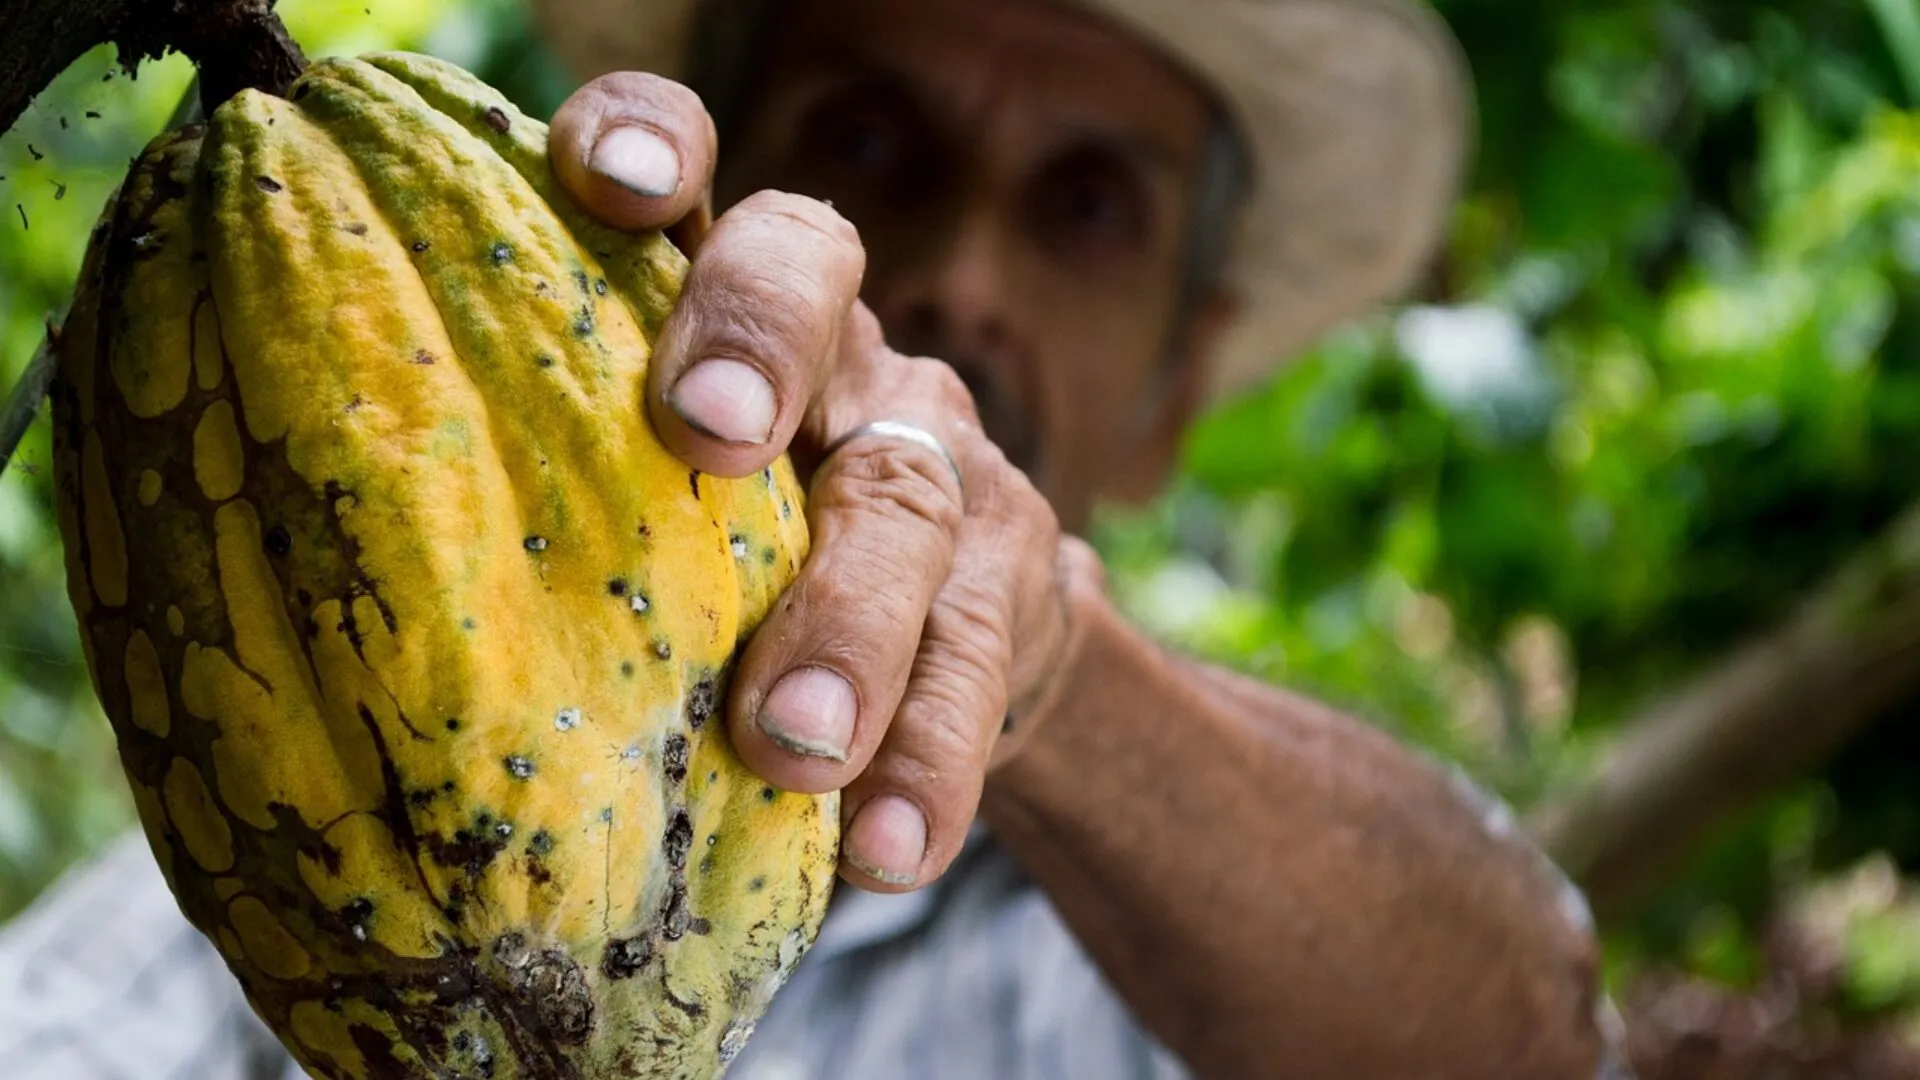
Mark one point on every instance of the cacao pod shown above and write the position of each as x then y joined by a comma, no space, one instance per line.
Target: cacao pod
412,634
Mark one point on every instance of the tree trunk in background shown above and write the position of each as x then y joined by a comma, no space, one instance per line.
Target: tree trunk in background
1770,712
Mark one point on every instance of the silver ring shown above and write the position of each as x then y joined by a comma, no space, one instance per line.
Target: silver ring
898,429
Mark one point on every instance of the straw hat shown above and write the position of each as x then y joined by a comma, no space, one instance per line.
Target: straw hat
1356,113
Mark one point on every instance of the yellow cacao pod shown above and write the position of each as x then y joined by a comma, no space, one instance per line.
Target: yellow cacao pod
413,635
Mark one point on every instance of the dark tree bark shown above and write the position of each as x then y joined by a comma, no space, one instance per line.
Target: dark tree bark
235,43
1768,713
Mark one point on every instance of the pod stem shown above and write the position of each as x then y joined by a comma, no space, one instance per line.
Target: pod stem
236,44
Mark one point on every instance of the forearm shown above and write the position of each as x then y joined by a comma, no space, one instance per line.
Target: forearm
1277,889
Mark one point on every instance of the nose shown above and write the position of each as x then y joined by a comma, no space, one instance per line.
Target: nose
952,296
947,295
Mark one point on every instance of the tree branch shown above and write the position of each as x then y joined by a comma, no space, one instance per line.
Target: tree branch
1774,709
235,43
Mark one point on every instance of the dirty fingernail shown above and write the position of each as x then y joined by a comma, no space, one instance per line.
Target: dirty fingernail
888,840
726,399
638,160
810,712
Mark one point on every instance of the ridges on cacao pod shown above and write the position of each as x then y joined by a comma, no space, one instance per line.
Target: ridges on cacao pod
412,634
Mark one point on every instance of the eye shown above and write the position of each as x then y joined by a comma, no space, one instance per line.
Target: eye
860,137
1092,198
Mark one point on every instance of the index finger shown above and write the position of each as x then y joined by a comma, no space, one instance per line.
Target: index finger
634,150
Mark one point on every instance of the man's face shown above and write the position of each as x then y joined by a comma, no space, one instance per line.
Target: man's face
1021,175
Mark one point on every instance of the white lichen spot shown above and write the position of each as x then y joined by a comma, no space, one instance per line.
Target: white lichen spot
359,932
566,719
639,604
631,753
739,547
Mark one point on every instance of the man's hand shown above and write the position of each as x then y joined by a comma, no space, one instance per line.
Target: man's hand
932,603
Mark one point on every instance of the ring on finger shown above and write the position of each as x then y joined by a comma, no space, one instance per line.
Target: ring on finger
900,429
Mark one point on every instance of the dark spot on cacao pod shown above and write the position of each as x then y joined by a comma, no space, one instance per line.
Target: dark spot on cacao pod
463,1042
421,798
422,357
420,246
300,91
767,556
305,597
497,119
647,530
447,786
706,865
358,228
468,623
678,839
278,541
583,323
712,839
626,668
501,253
674,757
453,723
519,766
541,842
756,884
543,361
268,184
600,287
693,481
692,1008
625,957
663,650
766,794
786,509
375,1048
700,926
700,703
328,856
713,776
580,280
536,543
617,587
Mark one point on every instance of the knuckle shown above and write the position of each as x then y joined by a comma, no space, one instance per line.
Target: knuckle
893,482
967,626
809,217
944,386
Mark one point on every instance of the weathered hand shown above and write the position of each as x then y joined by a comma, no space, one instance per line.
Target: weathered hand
932,605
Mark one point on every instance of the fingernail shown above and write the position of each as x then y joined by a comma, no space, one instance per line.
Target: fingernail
727,400
638,160
888,840
810,712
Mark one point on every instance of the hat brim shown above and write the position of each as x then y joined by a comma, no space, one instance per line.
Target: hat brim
1357,116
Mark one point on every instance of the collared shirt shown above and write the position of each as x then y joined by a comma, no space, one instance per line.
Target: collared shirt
973,978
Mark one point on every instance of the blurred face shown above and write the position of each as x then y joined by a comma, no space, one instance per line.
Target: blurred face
1021,175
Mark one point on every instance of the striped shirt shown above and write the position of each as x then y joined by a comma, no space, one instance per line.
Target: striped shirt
973,978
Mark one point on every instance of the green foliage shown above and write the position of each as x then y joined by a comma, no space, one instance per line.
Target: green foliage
1665,380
